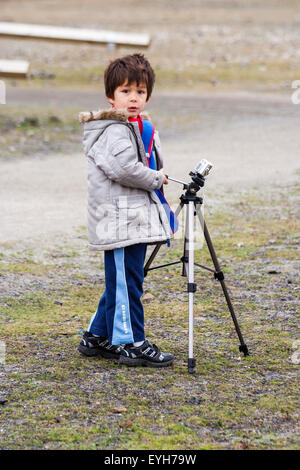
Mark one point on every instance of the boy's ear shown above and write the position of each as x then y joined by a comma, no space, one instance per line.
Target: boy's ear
148,99
110,100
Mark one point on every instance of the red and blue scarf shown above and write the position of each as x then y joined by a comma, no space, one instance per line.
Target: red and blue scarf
147,132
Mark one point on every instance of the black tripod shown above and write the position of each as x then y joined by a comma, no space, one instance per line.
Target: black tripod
194,203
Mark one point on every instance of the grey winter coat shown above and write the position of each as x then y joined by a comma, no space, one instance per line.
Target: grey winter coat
123,208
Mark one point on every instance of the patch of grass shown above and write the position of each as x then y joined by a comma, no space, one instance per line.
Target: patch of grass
58,399
29,267
37,130
253,75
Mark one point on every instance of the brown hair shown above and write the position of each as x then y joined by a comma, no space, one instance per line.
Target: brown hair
131,68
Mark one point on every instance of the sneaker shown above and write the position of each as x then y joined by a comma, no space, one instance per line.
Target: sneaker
147,354
98,346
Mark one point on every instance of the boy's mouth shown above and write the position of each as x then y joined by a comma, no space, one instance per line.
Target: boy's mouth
132,109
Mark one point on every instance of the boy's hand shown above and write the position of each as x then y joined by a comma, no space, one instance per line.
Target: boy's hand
165,179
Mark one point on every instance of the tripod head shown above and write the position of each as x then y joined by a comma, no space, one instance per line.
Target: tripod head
197,183
198,178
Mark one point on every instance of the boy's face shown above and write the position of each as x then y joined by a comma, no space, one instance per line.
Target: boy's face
131,97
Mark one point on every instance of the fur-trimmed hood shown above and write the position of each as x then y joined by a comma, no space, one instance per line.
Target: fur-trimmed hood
95,123
107,114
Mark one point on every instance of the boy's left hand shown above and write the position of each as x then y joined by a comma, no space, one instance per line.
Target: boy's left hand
165,179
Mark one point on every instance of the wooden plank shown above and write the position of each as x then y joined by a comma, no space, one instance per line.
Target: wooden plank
58,33
14,68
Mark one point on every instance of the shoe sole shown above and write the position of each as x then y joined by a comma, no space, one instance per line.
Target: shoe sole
132,362
108,355
90,352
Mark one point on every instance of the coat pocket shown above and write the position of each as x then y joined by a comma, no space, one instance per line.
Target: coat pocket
120,147
133,219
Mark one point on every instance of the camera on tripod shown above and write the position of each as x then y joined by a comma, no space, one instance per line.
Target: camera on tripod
202,169
198,175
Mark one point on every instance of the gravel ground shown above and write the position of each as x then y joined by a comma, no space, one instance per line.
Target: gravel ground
251,139
50,397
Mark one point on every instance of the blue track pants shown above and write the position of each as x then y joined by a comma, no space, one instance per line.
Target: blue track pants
120,314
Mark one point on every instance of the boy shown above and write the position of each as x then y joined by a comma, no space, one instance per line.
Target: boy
124,212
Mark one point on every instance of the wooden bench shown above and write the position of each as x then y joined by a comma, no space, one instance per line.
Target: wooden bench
14,68
75,35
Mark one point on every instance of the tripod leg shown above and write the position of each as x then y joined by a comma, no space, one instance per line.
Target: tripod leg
179,208
191,285
158,245
151,258
185,246
220,276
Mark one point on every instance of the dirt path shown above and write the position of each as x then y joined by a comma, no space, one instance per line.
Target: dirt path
251,139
